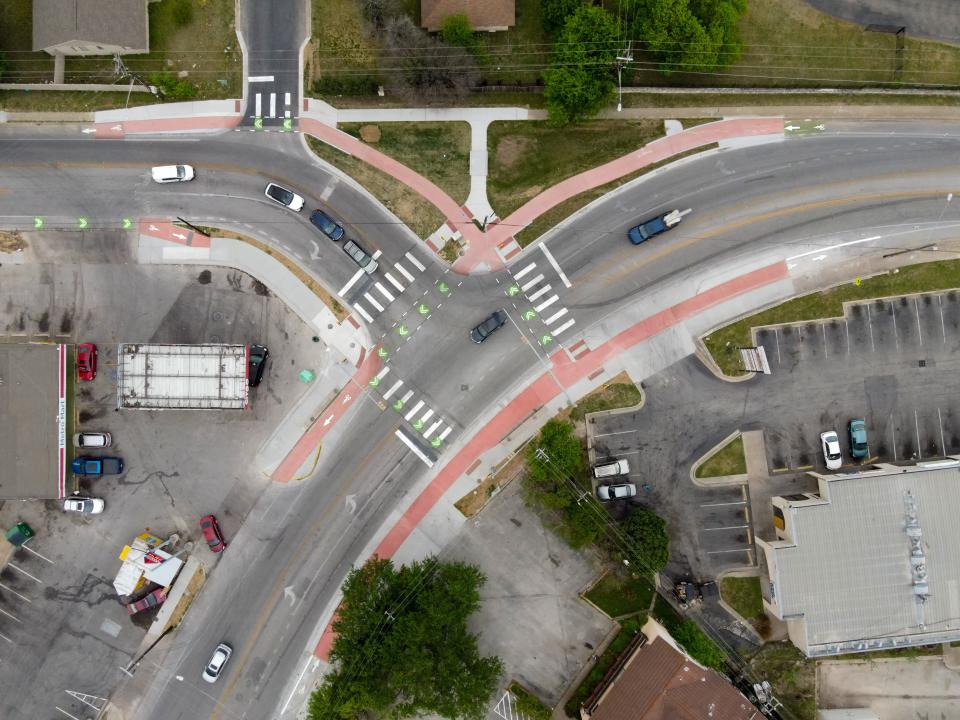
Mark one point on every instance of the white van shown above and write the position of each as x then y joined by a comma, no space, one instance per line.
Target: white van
612,469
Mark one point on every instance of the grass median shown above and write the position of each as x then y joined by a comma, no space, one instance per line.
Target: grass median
619,594
728,460
724,342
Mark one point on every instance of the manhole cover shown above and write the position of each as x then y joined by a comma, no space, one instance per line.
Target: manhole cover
464,388
217,315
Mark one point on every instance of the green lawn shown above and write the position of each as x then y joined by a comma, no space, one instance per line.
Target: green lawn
743,595
792,676
925,277
628,629
619,595
418,214
440,151
528,705
206,48
728,460
50,101
517,56
609,397
527,157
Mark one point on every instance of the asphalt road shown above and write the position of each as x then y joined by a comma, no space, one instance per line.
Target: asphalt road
750,207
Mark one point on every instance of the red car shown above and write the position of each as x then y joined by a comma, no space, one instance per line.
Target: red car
87,361
212,534
154,599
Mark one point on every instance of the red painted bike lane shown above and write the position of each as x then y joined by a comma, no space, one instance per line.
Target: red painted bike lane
565,373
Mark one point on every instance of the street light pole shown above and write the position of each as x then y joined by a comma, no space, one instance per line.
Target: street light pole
627,57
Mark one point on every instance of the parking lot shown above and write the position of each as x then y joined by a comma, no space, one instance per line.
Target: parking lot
62,628
895,356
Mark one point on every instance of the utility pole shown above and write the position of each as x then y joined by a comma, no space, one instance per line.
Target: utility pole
626,57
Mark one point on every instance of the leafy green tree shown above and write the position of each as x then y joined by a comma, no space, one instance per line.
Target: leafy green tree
690,35
403,648
420,67
556,12
580,80
700,647
456,30
563,451
648,537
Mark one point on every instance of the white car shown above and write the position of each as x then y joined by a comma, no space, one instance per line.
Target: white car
90,506
287,198
220,656
92,440
616,492
172,173
831,450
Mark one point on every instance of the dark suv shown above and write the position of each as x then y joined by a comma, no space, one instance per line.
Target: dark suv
485,329
326,224
256,363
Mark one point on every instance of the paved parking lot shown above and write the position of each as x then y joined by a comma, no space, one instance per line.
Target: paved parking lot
61,626
895,350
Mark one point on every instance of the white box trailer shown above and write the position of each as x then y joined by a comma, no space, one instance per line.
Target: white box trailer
182,377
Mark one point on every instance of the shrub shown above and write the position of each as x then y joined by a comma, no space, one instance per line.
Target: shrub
172,87
456,30
183,12
347,85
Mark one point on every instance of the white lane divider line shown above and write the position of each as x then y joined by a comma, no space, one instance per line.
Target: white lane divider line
531,283
432,429
383,373
393,281
443,435
546,303
523,272
413,411
257,106
373,301
396,386
556,316
556,265
386,293
427,415
403,271
420,266
273,105
364,313
410,444
351,282
260,78
833,247
406,396
563,327
286,99
538,293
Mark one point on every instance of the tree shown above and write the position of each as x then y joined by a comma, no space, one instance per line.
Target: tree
378,12
456,30
580,79
563,451
690,35
402,646
421,67
172,87
698,646
648,537
556,12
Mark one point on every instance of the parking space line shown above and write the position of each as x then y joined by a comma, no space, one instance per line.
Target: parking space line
614,457
916,306
57,706
721,552
873,347
943,327
621,432
11,590
4,637
893,438
823,327
728,527
943,443
896,334
31,550
916,423
18,569
738,502
846,324
12,617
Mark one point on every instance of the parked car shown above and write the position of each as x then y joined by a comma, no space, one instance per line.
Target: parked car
654,226
96,466
256,363
616,492
287,198
859,448
831,449
360,256
172,173
92,440
91,506
611,469
87,361
154,599
212,534
220,657
326,224
489,326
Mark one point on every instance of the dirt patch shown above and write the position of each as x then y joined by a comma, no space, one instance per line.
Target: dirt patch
511,151
475,500
12,241
370,133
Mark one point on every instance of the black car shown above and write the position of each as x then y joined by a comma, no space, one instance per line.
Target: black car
493,323
327,225
256,363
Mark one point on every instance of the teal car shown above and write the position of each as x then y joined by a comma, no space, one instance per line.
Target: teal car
858,439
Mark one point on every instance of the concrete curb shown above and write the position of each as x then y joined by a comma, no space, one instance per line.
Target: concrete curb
718,480
734,573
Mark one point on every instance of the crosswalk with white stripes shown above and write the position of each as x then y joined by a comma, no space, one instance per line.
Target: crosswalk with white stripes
543,297
425,420
378,296
268,101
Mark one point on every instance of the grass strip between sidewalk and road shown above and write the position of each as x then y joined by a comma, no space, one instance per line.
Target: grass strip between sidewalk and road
620,392
628,629
728,460
70,101
619,594
417,213
440,151
924,277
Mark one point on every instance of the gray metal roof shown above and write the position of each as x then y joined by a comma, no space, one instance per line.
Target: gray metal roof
107,22
850,574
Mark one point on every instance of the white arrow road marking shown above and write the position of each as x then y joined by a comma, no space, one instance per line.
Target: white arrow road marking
791,266
316,250
179,236
86,131
351,501
792,127
820,127
328,421
288,593
117,128
154,228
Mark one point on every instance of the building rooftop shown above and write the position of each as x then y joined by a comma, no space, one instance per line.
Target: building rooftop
110,22
872,563
483,14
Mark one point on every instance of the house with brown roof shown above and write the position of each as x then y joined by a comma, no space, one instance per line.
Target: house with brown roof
654,680
91,27
484,15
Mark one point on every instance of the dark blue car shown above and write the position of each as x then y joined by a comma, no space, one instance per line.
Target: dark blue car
96,466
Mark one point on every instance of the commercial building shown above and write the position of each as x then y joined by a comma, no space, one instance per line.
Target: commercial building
183,377
870,561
